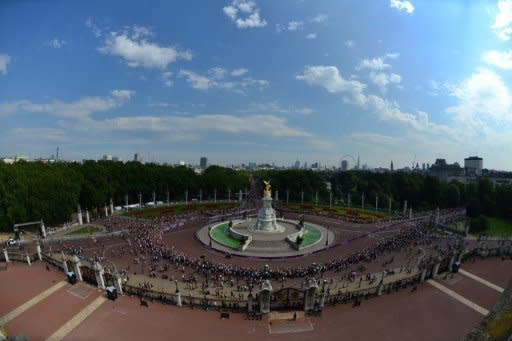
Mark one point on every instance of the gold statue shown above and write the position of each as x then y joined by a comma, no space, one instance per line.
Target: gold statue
268,190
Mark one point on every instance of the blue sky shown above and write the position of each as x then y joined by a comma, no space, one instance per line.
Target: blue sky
264,81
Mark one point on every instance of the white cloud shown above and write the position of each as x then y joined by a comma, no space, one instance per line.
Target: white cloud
138,52
4,60
382,79
311,36
216,80
353,92
239,72
56,43
349,43
80,109
245,14
295,25
481,97
404,5
166,78
502,25
330,78
93,27
319,18
373,64
499,59
275,107
393,55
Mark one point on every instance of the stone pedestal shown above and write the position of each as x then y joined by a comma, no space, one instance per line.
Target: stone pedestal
266,221
28,260
118,283
178,299
264,296
64,263
98,272
6,256
76,267
79,215
87,217
112,206
38,249
310,287
249,303
43,229
106,211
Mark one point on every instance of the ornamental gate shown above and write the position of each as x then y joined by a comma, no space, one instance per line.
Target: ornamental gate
287,299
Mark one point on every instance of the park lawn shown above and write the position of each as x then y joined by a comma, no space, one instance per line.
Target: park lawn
220,234
85,230
346,212
177,209
499,227
311,235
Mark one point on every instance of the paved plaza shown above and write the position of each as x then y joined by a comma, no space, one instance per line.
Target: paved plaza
39,303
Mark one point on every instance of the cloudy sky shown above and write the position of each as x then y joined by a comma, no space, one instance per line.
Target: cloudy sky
258,80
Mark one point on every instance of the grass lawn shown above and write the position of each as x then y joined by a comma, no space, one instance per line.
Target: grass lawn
311,235
350,213
221,235
85,230
499,227
177,209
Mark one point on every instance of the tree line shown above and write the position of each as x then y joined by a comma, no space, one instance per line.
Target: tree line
33,190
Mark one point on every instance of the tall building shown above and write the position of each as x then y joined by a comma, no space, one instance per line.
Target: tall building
203,162
358,166
344,165
137,157
297,164
473,166
391,168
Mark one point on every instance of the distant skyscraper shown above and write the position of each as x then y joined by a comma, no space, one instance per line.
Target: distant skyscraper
137,157
473,165
344,165
391,166
358,166
297,164
203,162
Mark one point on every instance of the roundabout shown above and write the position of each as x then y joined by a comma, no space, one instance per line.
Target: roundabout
265,236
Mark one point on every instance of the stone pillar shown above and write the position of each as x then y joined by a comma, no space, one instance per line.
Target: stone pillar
436,222
362,201
106,211
6,256
376,203
76,267
118,283
450,264
437,264
38,249
178,295
380,288
249,303
79,215
28,260
87,217
111,206
405,207
64,262
423,275
265,292
322,295
43,229
410,213
309,294
98,271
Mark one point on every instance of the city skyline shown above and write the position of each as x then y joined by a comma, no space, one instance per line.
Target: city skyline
242,81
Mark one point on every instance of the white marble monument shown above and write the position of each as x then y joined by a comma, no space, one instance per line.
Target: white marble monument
266,221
